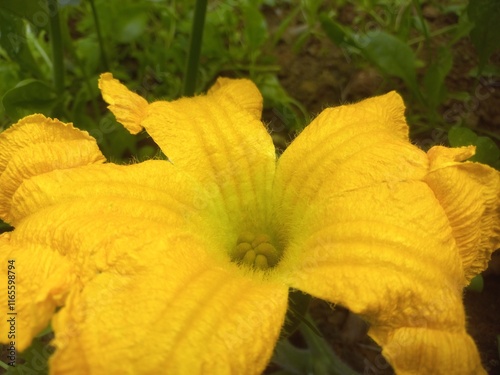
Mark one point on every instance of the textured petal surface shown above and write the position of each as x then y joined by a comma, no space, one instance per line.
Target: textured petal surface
37,145
470,195
92,207
218,138
42,278
376,225
94,212
438,351
123,229
387,253
345,148
200,318
128,107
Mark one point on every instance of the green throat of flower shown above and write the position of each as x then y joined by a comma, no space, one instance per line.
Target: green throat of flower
255,251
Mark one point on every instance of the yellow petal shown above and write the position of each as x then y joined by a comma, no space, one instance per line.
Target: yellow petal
128,107
433,347
41,279
217,138
124,220
387,252
94,211
178,313
154,181
37,145
470,195
346,148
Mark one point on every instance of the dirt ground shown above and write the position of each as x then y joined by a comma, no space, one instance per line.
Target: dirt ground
321,75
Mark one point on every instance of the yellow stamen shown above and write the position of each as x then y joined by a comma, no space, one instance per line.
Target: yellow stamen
249,257
269,251
241,249
247,237
255,251
261,262
261,238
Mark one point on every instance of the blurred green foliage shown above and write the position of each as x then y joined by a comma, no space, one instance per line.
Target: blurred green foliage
143,43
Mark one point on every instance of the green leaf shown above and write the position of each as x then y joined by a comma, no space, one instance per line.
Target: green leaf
476,284
318,358
27,97
290,358
13,40
336,32
293,113
115,146
460,136
9,75
487,151
463,28
146,152
87,51
486,32
391,55
35,12
435,90
298,304
324,360
255,27
284,26
35,359
132,29
125,24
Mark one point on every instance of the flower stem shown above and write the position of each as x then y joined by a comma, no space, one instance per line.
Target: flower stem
57,50
104,60
193,59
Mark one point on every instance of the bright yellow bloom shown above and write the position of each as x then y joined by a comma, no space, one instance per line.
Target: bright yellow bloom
184,266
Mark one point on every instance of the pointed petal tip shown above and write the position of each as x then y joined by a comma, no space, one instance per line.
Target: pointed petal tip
440,156
128,107
243,91
392,107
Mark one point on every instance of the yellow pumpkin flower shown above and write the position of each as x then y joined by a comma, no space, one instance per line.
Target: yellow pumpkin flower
184,266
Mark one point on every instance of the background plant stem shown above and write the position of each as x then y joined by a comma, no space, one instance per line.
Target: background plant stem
104,60
193,60
57,51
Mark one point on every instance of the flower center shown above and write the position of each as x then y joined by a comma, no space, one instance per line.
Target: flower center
255,250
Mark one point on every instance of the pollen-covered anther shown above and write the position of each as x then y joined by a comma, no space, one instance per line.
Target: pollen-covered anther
255,251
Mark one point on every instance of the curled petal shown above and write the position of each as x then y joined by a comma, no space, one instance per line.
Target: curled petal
37,145
41,278
439,352
470,195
